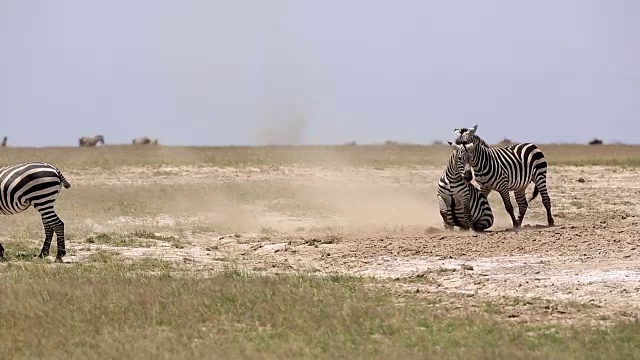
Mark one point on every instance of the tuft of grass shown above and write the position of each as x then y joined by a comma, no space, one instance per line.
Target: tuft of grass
115,310
117,239
23,250
492,308
103,256
137,238
172,240
152,264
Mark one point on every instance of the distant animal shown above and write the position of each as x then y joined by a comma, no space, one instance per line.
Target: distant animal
454,193
37,184
91,141
145,141
504,169
596,142
4,142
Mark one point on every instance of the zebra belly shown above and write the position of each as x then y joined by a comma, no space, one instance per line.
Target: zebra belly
508,183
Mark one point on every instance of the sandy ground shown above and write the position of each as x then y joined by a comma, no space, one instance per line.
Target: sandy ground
384,223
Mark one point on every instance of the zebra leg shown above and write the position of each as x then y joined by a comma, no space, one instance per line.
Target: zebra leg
1,251
467,215
48,236
521,199
504,194
541,184
51,223
445,222
59,229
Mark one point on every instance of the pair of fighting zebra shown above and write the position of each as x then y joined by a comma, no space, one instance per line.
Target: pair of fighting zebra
503,169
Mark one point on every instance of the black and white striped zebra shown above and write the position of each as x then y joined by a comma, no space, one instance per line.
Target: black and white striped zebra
454,193
504,169
37,184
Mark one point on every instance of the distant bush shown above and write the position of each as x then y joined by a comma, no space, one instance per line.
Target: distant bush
505,142
595,141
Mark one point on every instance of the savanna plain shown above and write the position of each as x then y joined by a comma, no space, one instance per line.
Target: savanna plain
319,252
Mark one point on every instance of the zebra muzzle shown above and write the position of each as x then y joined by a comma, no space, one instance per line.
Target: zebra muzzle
468,176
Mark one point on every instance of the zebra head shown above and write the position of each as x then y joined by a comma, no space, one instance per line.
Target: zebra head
465,135
463,166
463,162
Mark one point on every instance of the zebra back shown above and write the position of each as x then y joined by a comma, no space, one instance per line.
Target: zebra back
24,183
510,167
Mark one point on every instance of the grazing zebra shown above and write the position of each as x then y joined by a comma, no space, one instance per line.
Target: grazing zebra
91,141
454,193
504,169
144,141
37,184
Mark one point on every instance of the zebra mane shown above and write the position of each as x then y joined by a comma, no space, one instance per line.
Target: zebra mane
471,138
476,140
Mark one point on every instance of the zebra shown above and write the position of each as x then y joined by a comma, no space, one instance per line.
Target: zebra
91,141
504,169
453,193
144,141
37,184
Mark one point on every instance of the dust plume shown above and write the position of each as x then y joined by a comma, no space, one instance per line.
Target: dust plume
282,128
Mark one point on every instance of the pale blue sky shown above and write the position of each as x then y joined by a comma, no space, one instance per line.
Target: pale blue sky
214,72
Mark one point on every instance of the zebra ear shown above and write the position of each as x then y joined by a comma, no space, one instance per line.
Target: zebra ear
473,131
450,143
457,131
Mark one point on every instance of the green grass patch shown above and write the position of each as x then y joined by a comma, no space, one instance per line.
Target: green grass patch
117,310
118,239
137,238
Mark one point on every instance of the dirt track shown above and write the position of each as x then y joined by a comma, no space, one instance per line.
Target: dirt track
385,223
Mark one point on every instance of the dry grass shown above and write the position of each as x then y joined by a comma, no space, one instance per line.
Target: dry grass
148,310
110,307
109,157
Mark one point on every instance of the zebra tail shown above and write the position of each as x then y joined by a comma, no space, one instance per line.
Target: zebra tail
64,181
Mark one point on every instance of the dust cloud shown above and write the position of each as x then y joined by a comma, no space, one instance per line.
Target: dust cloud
282,128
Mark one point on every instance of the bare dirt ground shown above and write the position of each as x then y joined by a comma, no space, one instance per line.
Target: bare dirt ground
385,224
